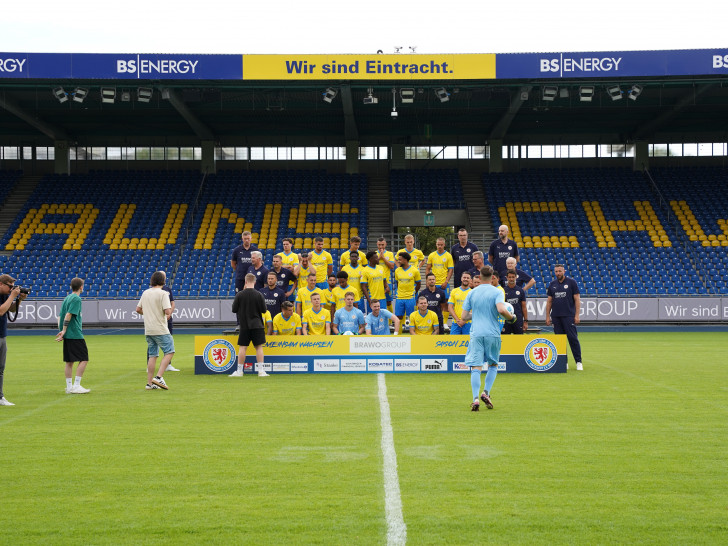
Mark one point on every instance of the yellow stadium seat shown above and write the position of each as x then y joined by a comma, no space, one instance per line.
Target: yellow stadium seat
528,244
298,242
537,244
354,210
345,208
611,244
574,244
336,209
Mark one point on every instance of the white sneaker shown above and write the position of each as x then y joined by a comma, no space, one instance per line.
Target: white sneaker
171,368
151,387
263,373
78,389
159,382
580,366
4,402
69,390
236,373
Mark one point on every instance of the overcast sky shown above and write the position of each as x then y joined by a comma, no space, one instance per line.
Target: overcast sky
364,26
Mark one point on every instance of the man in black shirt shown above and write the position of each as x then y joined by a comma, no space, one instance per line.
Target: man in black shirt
273,294
249,306
436,298
500,250
563,307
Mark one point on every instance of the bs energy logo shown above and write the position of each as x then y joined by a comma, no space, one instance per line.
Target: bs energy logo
540,354
219,355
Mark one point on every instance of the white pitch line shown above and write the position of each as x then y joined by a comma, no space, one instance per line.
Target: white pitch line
396,528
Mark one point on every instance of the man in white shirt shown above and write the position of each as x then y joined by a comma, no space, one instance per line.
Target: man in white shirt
155,307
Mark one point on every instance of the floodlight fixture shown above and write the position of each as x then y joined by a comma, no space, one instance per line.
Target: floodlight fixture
442,94
144,94
524,96
550,92
108,94
125,96
407,95
635,92
564,93
329,95
370,98
79,94
60,94
614,92
586,93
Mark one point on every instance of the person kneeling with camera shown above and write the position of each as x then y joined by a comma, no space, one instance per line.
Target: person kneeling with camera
10,298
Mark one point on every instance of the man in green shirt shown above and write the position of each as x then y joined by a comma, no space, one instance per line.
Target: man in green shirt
70,325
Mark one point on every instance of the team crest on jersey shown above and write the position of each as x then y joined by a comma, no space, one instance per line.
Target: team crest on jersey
540,354
219,355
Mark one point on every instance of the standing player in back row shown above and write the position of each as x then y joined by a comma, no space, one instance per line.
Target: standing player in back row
416,255
323,262
563,308
500,250
485,306
389,264
240,260
462,256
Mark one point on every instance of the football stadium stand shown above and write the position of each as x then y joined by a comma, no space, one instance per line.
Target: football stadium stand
425,189
114,228
607,228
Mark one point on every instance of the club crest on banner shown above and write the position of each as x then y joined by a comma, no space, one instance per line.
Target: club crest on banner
540,354
219,355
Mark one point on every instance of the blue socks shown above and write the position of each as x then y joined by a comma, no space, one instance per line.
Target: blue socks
490,378
475,382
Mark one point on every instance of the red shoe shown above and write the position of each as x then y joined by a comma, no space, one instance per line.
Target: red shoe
475,406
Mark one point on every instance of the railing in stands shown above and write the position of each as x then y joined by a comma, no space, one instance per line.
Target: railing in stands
680,233
189,222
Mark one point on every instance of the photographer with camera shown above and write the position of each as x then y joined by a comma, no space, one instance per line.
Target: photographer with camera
10,298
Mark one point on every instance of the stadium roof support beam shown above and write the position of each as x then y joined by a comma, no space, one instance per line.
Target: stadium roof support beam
651,126
501,127
201,130
51,131
350,130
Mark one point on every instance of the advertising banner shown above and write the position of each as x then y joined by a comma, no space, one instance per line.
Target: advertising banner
219,312
369,67
374,354
689,62
120,66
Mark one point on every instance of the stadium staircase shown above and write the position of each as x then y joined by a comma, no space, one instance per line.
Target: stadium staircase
380,210
476,206
17,197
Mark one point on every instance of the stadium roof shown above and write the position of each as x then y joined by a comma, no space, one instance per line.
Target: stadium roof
269,107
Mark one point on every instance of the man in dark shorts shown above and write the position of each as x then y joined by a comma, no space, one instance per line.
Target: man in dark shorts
249,306
10,298
70,325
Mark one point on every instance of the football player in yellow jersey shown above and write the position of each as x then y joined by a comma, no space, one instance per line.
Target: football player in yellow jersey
354,270
342,277
416,255
303,299
374,281
316,320
408,282
328,299
354,243
389,263
303,270
455,306
495,281
287,323
268,321
440,263
423,322
323,262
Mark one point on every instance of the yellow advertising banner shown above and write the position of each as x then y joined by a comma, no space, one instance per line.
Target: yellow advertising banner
453,66
216,354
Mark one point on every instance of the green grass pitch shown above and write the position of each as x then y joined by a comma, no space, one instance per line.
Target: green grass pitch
632,450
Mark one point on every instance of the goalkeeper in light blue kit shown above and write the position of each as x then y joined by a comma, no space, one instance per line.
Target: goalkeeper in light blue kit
485,305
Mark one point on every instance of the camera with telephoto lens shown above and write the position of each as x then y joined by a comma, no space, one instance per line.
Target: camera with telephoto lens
24,290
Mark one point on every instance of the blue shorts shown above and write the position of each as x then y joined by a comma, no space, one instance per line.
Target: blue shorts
404,307
457,330
483,350
155,343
